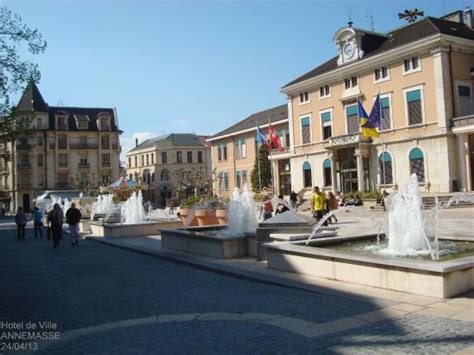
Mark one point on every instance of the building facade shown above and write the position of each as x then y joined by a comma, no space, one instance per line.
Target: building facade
70,146
424,73
171,166
234,151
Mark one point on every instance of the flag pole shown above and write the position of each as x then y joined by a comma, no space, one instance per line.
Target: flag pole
381,138
258,164
271,162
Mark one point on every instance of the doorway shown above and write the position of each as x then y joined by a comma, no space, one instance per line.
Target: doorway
26,203
349,176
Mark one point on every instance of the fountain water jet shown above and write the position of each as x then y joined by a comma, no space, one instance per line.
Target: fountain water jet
132,211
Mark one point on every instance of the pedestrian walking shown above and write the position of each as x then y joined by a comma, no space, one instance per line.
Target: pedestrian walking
332,204
20,220
56,217
293,200
318,205
73,217
38,222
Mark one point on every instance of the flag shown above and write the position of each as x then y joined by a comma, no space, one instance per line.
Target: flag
274,138
261,140
370,123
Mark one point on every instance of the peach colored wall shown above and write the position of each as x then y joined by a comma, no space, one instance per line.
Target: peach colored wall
395,86
231,165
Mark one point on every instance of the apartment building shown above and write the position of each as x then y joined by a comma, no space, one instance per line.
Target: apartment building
234,151
424,72
166,163
69,144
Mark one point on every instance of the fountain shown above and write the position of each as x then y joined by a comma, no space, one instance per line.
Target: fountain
395,263
126,220
218,241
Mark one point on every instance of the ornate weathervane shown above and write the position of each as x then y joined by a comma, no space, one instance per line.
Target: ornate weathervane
410,15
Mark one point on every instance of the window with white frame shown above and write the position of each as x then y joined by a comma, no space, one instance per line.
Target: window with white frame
326,125
106,159
386,119
222,152
304,97
350,83
414,107
305,130
324,91
62,159
352,115
411,65
465,103
240,149
237,179
381,74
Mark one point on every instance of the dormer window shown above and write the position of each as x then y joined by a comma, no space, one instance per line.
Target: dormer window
304,97
83,124
104,123
411,65
350,82
324,91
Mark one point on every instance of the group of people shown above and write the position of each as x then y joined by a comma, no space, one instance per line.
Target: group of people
55,219
322,204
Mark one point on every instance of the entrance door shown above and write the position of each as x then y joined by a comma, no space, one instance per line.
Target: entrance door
349,176
26,202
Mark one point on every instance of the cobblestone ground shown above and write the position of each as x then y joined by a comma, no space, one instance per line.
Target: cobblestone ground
93,284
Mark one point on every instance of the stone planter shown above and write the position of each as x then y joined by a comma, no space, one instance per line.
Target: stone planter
221,216
205,217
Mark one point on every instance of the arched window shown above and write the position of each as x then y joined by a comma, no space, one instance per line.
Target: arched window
327,172
307,180
385,166
417,164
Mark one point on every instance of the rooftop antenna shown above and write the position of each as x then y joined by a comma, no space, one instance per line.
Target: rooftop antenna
371,19
350,22
410,15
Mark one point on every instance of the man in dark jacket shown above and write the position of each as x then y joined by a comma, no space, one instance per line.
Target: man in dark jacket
20,220
73,217
55,217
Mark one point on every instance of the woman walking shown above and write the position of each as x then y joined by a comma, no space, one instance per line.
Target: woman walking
56,217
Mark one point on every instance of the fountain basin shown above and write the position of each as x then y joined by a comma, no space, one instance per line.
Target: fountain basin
423,277
200,241
117,230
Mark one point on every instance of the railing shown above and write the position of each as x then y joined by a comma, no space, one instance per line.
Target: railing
83,165
83,145
105,145
52,145
24,166
4,192
23,184
62,165
105,165
462,121
62,146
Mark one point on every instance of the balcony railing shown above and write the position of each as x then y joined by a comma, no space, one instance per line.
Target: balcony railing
62,146
23,184
24,165
52,145
83,145
4,192
278,152
84,165
105,145
105,165
462,121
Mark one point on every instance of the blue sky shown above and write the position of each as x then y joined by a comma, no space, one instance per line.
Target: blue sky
191,66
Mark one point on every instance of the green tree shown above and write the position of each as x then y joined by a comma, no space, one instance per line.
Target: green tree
265,171
16,72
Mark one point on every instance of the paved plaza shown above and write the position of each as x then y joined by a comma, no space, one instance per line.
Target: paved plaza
134,297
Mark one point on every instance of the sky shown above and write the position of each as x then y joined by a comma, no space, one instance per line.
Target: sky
187,66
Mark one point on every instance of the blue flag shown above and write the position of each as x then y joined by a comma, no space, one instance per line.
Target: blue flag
369,124
261,139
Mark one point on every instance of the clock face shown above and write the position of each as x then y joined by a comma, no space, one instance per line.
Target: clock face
348,50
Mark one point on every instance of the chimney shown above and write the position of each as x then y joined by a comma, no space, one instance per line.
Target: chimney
136,142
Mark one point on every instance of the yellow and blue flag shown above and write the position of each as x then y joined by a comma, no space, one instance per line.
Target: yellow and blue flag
370,124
